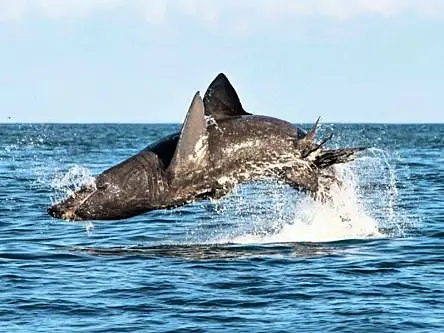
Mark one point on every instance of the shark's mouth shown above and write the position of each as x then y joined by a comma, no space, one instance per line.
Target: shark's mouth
67,209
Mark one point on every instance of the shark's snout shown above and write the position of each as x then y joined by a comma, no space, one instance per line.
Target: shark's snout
67,209
54,211
60,212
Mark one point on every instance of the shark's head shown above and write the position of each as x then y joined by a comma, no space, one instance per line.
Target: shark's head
157,177
102,201
72,207
125,190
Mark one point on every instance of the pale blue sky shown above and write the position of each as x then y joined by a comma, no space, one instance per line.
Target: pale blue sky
142,61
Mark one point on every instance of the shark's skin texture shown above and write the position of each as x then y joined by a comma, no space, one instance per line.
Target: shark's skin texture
219,146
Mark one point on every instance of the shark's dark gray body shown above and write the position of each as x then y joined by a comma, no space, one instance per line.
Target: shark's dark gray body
218,146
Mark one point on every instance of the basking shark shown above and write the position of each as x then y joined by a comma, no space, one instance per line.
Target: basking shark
218,146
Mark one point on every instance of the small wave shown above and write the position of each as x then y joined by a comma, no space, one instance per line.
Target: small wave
215,251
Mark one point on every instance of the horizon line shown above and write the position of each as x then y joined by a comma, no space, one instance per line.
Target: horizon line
180,123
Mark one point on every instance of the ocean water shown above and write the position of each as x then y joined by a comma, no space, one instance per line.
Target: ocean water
264,259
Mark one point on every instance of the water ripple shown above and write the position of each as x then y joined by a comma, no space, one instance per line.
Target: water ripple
266,259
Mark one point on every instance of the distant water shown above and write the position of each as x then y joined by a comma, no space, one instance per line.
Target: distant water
265,259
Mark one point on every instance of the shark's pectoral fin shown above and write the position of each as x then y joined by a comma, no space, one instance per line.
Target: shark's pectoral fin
191,154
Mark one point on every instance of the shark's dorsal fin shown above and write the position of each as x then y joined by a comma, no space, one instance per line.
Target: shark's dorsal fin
221,100
191,152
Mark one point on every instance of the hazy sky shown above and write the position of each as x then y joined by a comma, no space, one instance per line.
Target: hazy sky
142,61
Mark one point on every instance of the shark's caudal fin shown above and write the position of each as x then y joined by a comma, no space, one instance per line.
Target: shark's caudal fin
336,156
221,100
191,151
323,158
307,176
317,162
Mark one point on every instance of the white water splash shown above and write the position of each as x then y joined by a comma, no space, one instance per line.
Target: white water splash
89,228
318,222
65,184
364,207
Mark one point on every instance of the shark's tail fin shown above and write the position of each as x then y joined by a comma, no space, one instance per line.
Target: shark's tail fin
326,158
316,175
323,158
328,178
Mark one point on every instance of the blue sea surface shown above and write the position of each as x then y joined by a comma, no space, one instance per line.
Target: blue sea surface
264,259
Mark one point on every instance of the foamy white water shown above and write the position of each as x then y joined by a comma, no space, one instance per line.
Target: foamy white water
318,223
363,206
65,184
